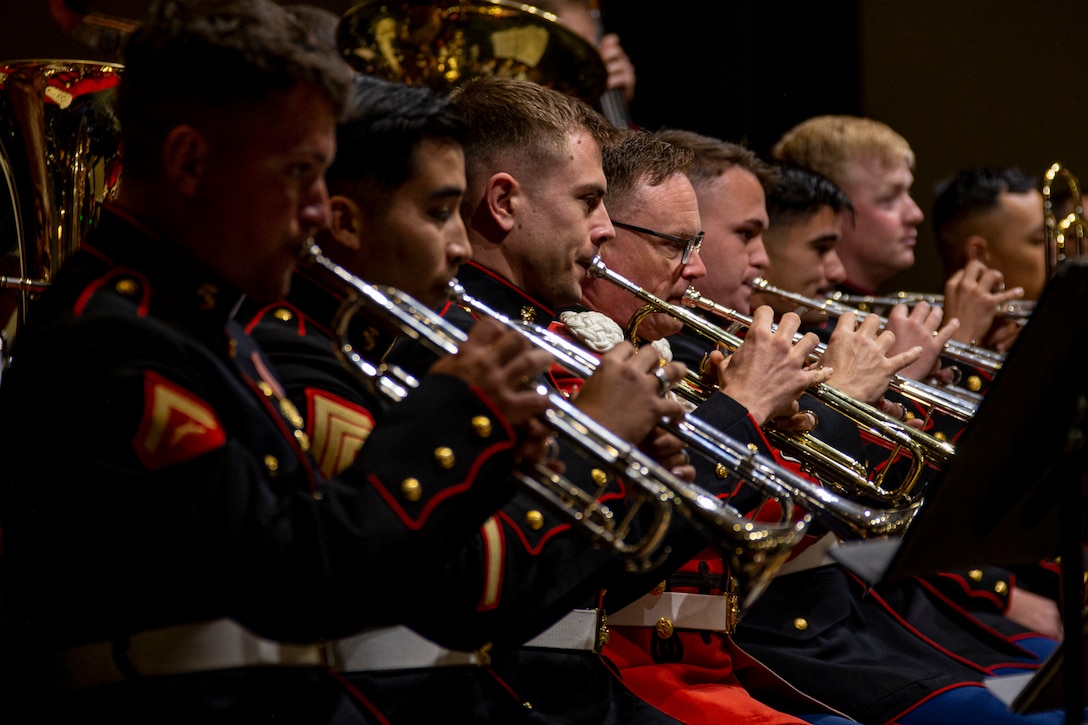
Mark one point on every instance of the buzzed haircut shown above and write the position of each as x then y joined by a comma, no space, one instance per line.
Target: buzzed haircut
830,144
377,140
192,61
713,157
799,193
635,158
515,120
964,195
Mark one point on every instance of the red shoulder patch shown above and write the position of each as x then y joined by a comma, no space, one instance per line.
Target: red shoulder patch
177,425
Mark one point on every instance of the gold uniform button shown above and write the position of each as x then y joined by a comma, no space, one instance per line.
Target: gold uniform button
800,624
283,314
975,575
599,477
753,448
481,425
527,705
265,388
318,496
272,464
534,520
1001,588
908,415
721,471
303,441
412,489
208,295
664,628
127,286
232,348
444,457
940,435
290,412
974,383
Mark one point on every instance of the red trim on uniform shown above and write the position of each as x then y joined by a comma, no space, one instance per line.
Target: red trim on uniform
930,696
907,625
301,327
971,593
534,550
416,524
177,425
359,697
92,289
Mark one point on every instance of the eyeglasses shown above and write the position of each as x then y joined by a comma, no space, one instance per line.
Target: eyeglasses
691,244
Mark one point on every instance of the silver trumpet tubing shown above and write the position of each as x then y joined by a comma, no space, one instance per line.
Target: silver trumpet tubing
756,549
842,516
934,398
837,304
834,467
1018,310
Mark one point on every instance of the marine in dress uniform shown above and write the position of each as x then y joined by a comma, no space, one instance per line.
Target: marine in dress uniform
819,609
178,489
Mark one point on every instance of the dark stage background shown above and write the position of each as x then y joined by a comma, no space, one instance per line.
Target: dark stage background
966,82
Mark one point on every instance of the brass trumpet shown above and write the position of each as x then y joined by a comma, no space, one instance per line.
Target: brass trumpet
841,471
1066,238
844,517
834,305
756,550
1018,310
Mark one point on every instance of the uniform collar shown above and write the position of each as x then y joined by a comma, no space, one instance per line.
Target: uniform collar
172,272
502,295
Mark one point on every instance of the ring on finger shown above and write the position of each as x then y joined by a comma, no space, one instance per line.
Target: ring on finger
663,379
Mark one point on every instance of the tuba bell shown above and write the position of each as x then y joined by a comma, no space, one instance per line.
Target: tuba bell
60,155
442,43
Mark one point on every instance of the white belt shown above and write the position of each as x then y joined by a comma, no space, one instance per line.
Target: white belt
579,630
675,610
217,645
394,648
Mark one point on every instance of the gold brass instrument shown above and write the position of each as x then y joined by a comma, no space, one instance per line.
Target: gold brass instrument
756,550
978,357
843,517
60,155
442,43
840,471
1066,238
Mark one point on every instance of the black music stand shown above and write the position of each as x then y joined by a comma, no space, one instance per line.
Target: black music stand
1014,492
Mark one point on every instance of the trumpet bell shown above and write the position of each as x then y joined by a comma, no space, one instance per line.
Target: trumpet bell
443,43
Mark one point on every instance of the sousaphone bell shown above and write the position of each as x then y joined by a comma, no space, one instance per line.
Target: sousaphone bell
443,43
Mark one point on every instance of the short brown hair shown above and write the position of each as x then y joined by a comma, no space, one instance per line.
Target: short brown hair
828,144
635,158
191,58
713,157
508,117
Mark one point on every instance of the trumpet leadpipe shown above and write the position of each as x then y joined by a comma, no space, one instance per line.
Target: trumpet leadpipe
838,304
929,395
922,446
756,549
